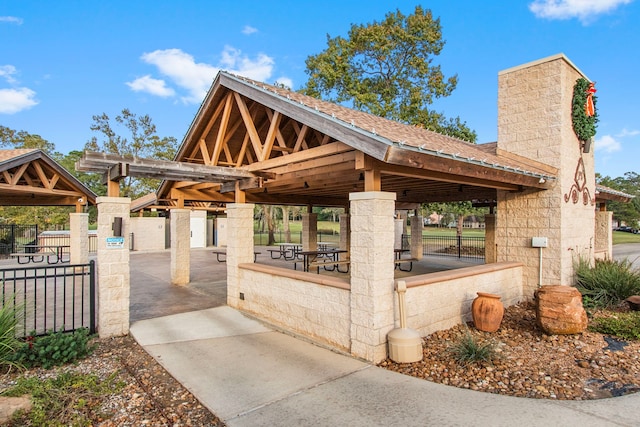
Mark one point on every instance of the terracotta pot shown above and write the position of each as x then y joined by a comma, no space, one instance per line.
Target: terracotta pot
487,311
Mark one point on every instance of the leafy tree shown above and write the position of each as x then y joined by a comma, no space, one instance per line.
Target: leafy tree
10,138
386,68
454,211
142,142
627,213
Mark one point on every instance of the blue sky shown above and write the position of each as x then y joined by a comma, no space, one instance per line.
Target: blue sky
63,62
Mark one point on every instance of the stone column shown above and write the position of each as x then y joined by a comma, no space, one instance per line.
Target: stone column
372,273
345,233
180,246
490,239
309,232
239,247
79,241
603,244
535,121
113,267
416,237
399,229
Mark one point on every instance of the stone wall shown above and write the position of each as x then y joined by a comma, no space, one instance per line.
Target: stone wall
438,301
534,121
603,247
148,233
284,298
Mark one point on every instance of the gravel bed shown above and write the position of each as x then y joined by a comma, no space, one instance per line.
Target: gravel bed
151,396
532,364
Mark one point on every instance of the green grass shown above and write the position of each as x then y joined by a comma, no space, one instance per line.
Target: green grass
624,237
606,283
468,349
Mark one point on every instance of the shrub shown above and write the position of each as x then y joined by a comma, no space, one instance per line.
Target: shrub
469,349
9,318
53,349
607,283
622,325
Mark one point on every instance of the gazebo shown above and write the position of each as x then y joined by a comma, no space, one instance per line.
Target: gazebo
255,143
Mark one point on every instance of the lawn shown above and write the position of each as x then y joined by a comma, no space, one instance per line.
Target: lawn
624,237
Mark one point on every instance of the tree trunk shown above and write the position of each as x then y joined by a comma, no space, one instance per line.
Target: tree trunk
285,223
459,225
271,223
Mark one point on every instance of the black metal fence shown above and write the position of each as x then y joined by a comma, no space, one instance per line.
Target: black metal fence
52,298
458,246
64,238
13,238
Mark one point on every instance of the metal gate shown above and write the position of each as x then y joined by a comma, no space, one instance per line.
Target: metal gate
52,298
13,238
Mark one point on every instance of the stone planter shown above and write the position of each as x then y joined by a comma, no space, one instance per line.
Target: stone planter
487,311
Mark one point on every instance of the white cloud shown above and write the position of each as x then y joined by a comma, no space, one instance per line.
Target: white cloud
152,86
585,10
608,144
248,29
11,20
626,132
286,81
7,72
183,71
15,100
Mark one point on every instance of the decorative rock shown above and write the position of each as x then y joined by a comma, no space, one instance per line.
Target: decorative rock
634,302
9,405
559,310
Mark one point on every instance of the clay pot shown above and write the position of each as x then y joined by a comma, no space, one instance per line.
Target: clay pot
487,311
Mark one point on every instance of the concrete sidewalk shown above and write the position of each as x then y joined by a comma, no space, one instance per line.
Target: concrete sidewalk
250,375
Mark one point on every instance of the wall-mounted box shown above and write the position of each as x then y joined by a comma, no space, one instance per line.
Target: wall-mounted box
539,242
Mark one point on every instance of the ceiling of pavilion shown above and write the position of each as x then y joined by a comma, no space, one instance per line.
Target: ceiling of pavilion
29,177
305,151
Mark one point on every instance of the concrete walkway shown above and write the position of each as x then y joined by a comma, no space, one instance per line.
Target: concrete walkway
250,375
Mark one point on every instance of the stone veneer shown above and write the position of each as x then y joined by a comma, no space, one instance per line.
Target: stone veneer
239,247
113,268
79,238
534,121
180,246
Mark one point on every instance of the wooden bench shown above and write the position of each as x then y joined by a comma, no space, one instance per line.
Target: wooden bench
328,262
223,252
29,256
401,261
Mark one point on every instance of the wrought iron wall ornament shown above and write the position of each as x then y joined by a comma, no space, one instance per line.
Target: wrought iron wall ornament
579,187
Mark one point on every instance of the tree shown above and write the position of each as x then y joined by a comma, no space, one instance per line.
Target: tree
386,68
10,138
143,142
627,213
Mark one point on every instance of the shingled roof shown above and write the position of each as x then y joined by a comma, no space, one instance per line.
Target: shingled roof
311,152
30,177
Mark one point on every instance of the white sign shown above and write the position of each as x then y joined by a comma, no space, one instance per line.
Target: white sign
115,242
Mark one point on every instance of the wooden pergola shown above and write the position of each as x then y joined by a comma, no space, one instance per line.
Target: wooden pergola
30,177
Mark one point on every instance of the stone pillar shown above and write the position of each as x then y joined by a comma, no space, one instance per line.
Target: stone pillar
345,234
180,246
113,267
239,247
79,238
534,121
603,242
309,231
490,239
416,237
399,228
372,273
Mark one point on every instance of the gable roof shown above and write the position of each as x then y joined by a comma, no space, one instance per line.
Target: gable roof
319,151
30,177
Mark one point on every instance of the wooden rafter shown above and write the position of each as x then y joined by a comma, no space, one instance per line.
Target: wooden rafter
249,125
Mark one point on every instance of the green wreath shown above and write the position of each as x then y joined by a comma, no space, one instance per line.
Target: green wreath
583,125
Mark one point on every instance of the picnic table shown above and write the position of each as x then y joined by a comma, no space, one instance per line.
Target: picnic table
222,252
37,253
287,251
323,258
399,260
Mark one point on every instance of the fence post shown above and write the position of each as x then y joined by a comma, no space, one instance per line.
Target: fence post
459,246
92,297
